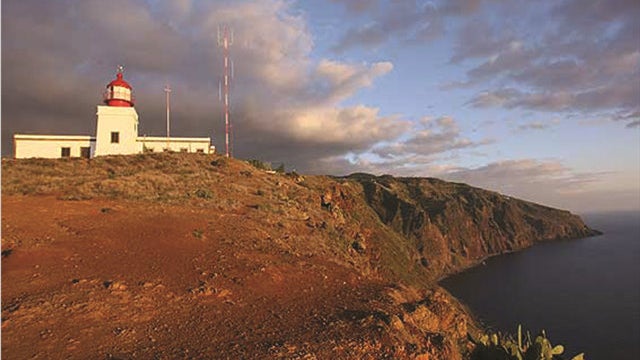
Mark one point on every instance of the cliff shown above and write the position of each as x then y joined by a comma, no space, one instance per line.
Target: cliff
451,225
191,255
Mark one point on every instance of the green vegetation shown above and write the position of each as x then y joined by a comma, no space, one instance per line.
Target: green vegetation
260,165
204,193
498,347
280,169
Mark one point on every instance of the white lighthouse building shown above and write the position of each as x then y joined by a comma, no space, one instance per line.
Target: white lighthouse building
116,133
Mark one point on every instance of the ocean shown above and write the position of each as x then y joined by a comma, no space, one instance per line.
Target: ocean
584,293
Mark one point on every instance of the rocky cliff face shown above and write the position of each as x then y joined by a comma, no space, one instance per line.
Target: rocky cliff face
451,226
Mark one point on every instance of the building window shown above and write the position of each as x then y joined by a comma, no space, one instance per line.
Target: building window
65,152
115,137
200,150
184,150
85,152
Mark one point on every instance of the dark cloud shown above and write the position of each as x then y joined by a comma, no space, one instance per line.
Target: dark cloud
534,125
632,118
570,56
405,21
470,7
555,74
58,57
478,39
413,21
357,6
579,15
461,7
619,98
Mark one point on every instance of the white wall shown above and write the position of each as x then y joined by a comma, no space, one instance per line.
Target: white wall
49,146
159,144
123,120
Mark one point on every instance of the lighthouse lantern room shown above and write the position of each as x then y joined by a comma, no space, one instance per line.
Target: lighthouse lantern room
119,92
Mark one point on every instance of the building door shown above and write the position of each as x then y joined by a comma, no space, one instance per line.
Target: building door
85,152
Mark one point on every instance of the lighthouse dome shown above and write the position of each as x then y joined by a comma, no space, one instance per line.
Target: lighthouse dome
119,92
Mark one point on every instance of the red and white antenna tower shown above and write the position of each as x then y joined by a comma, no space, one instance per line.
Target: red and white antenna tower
225,39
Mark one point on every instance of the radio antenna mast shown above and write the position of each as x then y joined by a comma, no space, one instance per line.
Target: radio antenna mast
167,90
225,40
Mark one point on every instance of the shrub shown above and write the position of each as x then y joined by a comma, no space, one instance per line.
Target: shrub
280,169
261,165
204,193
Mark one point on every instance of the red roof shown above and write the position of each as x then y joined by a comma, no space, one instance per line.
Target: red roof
119,82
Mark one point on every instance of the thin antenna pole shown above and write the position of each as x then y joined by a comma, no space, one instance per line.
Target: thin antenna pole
225,39
167,90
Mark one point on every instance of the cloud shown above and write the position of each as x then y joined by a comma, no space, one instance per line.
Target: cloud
339,80
285,106
549,182
357,6
580,58
416,152
619,97
404,21
633,117
478,39
430,137
494,98
534,125
579,15
461,7
512,174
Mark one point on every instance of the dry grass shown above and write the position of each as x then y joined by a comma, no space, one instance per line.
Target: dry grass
150,177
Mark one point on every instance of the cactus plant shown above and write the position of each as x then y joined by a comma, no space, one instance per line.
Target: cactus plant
499,346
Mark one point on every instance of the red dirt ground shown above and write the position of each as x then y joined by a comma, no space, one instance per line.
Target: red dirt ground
98,279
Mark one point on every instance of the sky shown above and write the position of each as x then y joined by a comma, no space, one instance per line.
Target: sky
535,99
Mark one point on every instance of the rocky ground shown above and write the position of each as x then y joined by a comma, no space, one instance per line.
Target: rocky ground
174,256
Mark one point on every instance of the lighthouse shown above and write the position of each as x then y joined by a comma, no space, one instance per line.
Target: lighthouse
117,124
